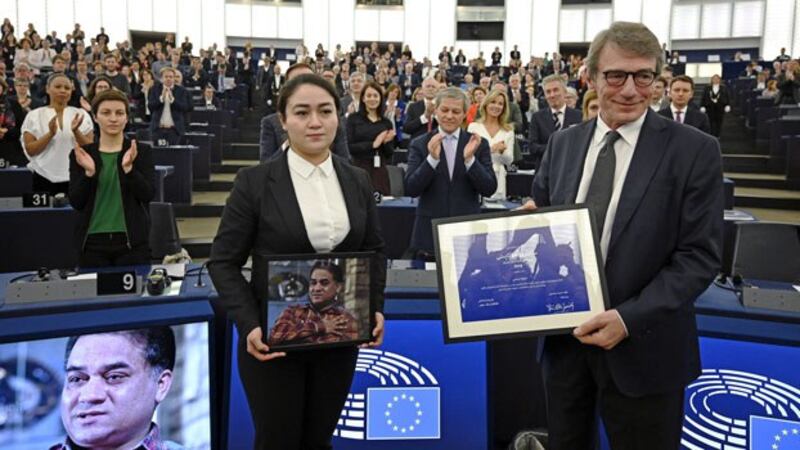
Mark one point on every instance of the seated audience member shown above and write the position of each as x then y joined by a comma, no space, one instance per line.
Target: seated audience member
370,137
11,117
477,95
591,105
789,85
111,185
274,140
420,115
556,116
168,103
449,170
210,101
113,384
681,91
771,90
493,125
571,97
49,133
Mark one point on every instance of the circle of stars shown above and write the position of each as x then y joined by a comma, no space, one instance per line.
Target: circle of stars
403,428
783,435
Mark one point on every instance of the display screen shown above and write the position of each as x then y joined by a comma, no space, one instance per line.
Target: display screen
115,389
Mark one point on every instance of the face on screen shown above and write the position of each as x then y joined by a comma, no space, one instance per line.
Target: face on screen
110,392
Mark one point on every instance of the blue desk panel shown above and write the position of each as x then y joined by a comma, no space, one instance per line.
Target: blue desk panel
448,384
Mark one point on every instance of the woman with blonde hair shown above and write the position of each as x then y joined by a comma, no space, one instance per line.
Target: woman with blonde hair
492,124
591,105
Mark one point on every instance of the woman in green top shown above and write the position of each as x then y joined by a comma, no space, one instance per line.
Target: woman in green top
111,185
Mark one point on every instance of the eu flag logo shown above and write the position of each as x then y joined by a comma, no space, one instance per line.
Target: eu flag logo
403,413
771,433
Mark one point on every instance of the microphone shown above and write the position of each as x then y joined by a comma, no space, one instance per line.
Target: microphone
199,282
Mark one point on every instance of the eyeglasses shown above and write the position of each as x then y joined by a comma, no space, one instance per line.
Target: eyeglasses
617,78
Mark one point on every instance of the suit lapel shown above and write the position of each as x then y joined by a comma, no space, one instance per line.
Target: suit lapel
549,122
460,169
575,171
282,190
647,156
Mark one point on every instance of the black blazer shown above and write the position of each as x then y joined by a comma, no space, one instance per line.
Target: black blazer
179,107
137,186
439,196
715,108
664,249
694,117
542,127
413,125
262,218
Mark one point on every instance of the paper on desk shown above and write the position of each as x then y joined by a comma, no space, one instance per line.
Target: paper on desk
430,266
83,276
796,287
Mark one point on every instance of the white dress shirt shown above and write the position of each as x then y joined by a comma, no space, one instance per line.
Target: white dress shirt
561,112
321,201
623,149
675,112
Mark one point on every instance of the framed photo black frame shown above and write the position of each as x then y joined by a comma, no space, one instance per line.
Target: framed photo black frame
518,273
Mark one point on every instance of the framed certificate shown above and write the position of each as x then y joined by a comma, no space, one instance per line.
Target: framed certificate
518,273
318,300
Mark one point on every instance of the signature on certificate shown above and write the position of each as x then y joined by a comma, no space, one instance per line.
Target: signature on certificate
560,307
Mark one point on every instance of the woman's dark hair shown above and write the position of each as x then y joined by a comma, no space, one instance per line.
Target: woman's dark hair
53,77
93,86
292,85
111,95
333,269
362,108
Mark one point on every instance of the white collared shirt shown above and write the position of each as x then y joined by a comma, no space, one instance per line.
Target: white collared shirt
675,112
623,149
321,201
561,114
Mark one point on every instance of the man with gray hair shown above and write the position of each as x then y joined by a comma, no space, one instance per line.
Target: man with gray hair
350,101
654,188
557,116
420,116
448,169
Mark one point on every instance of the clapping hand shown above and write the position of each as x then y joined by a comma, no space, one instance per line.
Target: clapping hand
472,146
85,104
76,122
84,160
258,349
429,107
379,139
53,125
129,158
435,145
388,136
499,147
377,333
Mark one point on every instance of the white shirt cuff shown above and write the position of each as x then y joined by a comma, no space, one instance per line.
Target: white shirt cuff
423,119
625,327
433,162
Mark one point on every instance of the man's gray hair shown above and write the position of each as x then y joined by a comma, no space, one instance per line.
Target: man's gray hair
357,74
452,92
554,77
628,36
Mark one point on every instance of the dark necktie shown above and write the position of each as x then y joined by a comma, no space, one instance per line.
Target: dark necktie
602,184
678,117
556,122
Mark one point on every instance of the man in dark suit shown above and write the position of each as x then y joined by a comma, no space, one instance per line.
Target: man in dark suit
655,190
350,101
681,91
546,121
168,104
420,115
556,66
448,170
274,141
715,103
409,81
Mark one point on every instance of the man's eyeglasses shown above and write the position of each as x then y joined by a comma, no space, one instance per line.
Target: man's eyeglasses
617,78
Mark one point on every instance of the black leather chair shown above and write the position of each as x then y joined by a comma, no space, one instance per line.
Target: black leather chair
164,237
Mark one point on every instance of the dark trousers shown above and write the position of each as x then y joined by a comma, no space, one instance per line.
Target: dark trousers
295,401
170,135
111,249
42,184
715,122
579,386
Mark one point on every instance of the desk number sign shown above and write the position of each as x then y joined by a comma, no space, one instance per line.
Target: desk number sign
36,200
117,283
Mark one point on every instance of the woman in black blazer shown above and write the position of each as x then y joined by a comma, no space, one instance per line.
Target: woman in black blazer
275,208
370,137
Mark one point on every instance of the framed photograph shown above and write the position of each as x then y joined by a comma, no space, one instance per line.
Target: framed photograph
318,300
518,273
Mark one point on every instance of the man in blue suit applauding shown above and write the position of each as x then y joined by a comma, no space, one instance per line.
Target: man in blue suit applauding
448,169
